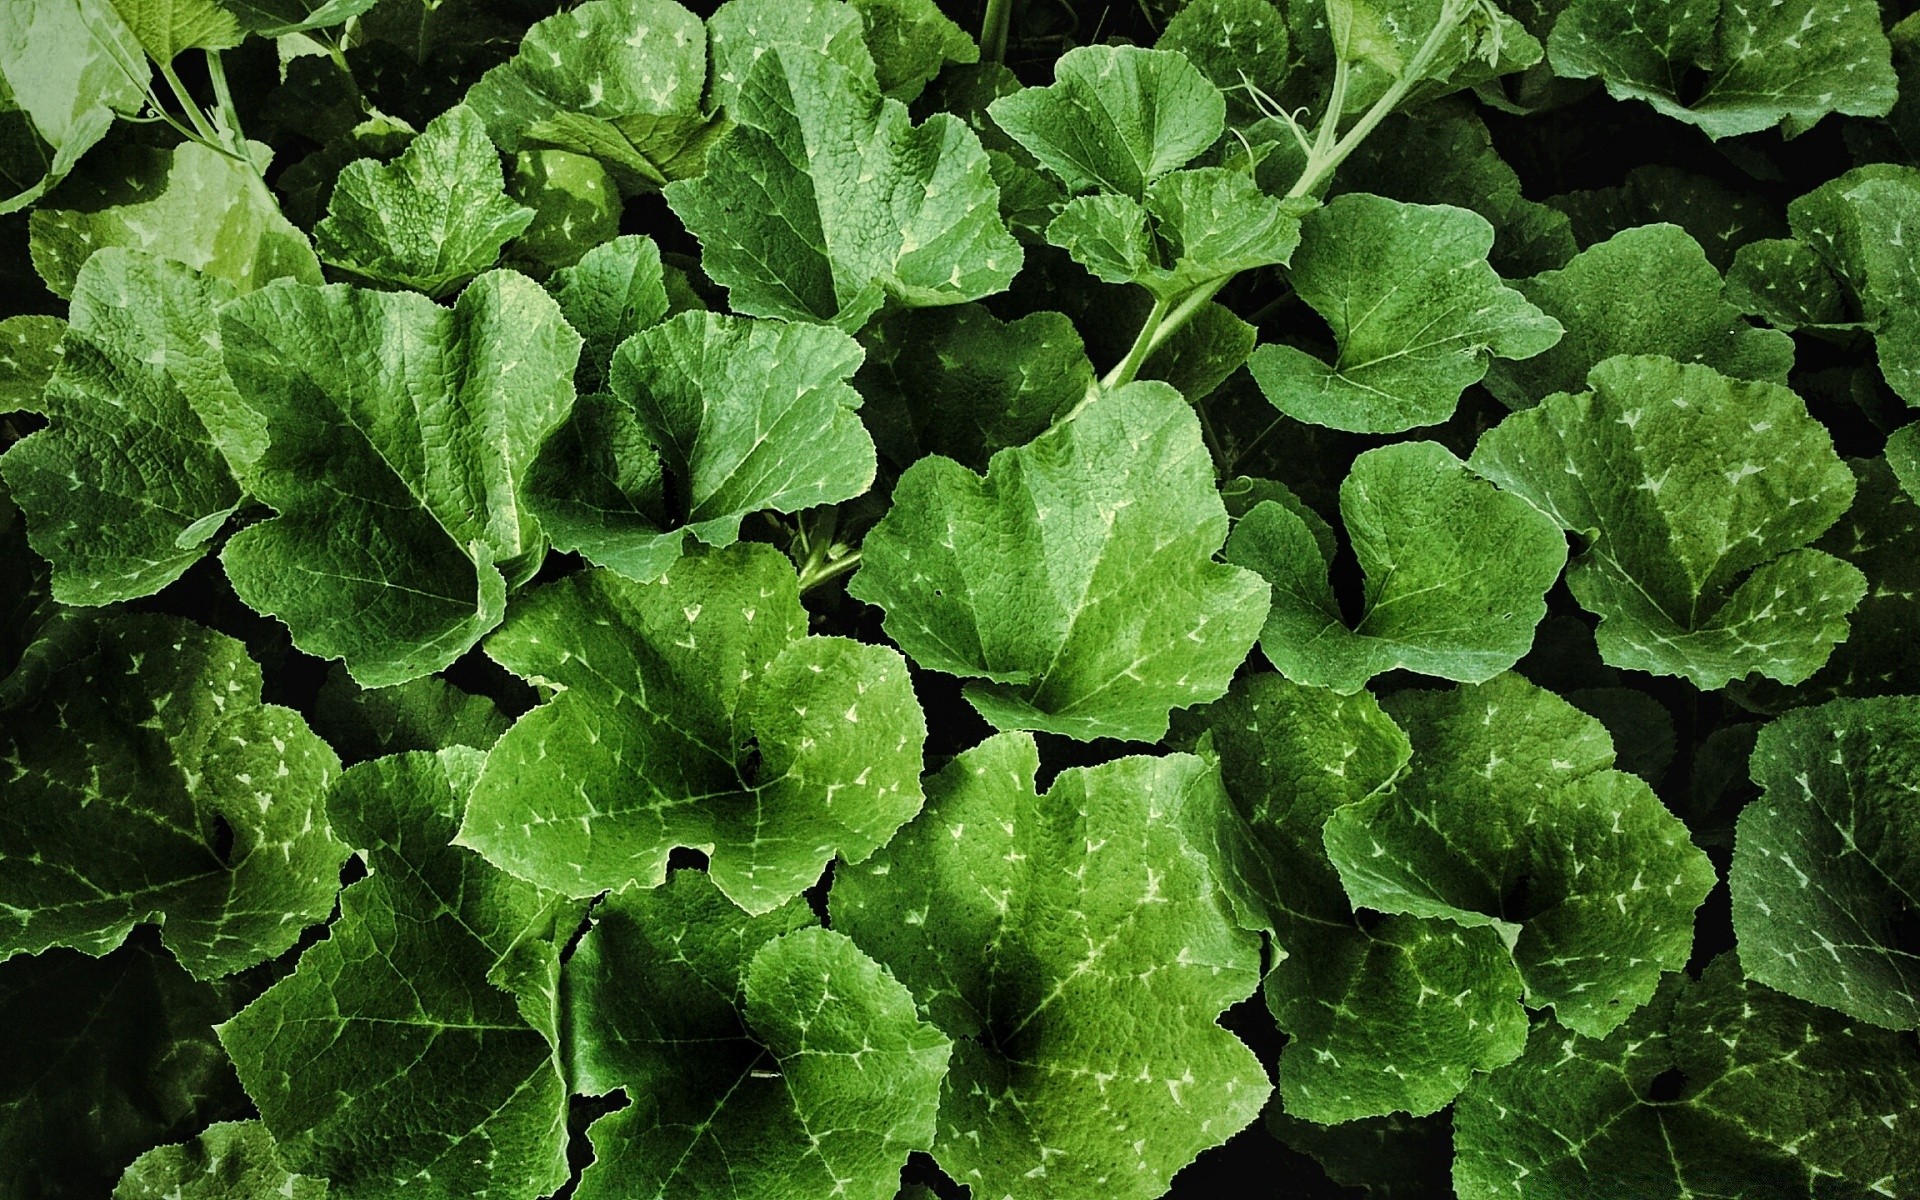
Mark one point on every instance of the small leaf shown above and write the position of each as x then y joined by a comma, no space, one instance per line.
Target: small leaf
911,40
614,291
233,1160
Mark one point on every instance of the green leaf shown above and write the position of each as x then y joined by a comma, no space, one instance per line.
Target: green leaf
192,204
742,31
1513,818
439,979
897,212
422,714
576,208
617,80
1362,1039
962,383
1115,118
429,220
134,476
1721,217
1202,354
55,116
1233,43
1888,211
1774,1098
694,711
1076,579
742,416
1826,865
1457,574
1416,311
396,467
30,350
1903,457
1785,283
615,290
277,18
1696,495
762,1058
168,27
233,1160
151,785
106,1058
1074,947
911,40
1787,63
1648,290
1212,222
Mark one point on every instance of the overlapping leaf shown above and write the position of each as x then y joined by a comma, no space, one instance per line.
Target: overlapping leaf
401,435
420,1040
1719,1090
1457,574
1826,868
1697,496
614,291
693,711
711,418
1416,311
233,1160
1074,946
763,1058
824,201
1076,580
52,117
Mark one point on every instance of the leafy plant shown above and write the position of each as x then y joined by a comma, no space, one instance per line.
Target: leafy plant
928,598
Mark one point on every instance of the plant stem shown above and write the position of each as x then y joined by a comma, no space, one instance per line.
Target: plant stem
226,115
817,575
185,99
993,30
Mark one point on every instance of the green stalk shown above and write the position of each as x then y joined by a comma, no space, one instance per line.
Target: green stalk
226,115
993,30
184,98
814,576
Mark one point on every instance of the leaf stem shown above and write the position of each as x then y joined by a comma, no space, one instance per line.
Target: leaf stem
993,30
226,115
815,575
185,99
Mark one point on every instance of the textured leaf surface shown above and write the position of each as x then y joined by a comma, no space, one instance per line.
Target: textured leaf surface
1782,62
911,40
134,476
66,111
763,1058
1774,1098
106,1058
233,1160
1074,946
30,348
1457,574
1826,868
1076,579
824,200
1115,118
1392,1017
195,205
421,714
439,979
1232,43
1697,495
693,711
277,18
712,417
1513,817
617,80
401,435
1648,290
614,291
1417,313
1212,222
150,784
168,27
431,219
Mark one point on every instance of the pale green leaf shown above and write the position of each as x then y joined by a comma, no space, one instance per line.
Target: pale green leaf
1696,495
1457,574
898,212
1648,290
911,40
742,416
1512,817
1826,865
1719,1090
439,979
1417,313
1362,1037
1076,580
694,711
233,1160
762,1058
1075,947
66,111
192,204
135,473
1785,62
168,27
401,434
431,219
149,784
742,31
